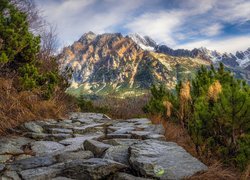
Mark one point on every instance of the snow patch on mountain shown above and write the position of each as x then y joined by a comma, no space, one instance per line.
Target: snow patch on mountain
145,42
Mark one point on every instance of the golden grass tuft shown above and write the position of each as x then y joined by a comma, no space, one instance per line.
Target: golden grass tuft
168,105
214,90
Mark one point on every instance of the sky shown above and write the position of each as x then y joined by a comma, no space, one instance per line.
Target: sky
222,25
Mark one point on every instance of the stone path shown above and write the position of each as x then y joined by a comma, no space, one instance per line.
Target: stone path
91,146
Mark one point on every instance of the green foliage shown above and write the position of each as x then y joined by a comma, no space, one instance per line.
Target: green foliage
88,106
18,44
219,120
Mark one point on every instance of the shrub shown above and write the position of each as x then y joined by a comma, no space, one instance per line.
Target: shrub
214,108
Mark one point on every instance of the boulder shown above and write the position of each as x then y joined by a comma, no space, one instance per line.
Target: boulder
31,163
117,142
125,176
94,168
80,139
13,145
71,156
41,148
60,131
118,154
33,127
42,173
163,160
96,147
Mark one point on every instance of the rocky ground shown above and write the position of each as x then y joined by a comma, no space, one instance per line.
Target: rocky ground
92,146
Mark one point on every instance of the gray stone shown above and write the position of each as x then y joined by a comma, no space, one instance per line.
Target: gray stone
46,147
33,127
12,175
118,154
2,166
42,173
61,178
70,156
60,131
13,145
156,136
22,156
126,130
5,158
117,142
164,160
81,139
140,134
96,147
91,128
74,147
31,163
94,168
68,121
125,176
114,136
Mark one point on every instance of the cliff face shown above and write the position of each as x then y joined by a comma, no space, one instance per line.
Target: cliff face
111,63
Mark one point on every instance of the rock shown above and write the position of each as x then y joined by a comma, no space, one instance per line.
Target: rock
22,156
140,134
94,168
42,173
96,147
13,145
5,158
91,128
74,147
46,147
126,130
125,176
114,136
2,166
81,139
10,175
116,142
61,178
31,163
164,160
68,121
156,136
60,131
70,156
118,154
33,127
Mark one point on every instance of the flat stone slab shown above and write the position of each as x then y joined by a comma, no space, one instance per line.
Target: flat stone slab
125,176
31,163
71,156
96,147
5,158
10,175
118,154
164,160
117,142
42,173
33,127
94,168
41,148
80,139
60,130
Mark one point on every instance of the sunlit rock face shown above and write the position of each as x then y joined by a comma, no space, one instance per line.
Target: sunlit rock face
113,63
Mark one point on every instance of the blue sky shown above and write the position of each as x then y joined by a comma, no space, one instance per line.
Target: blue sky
223,25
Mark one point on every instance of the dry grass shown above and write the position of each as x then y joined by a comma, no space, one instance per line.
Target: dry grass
130,107
19,107
216,172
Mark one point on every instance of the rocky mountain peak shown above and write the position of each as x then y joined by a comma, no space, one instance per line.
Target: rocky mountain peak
145,42
87,37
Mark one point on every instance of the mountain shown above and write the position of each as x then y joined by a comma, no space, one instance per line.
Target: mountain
125,65
111,63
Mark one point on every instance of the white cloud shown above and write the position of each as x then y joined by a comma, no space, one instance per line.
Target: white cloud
160,26
233,44
212,30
